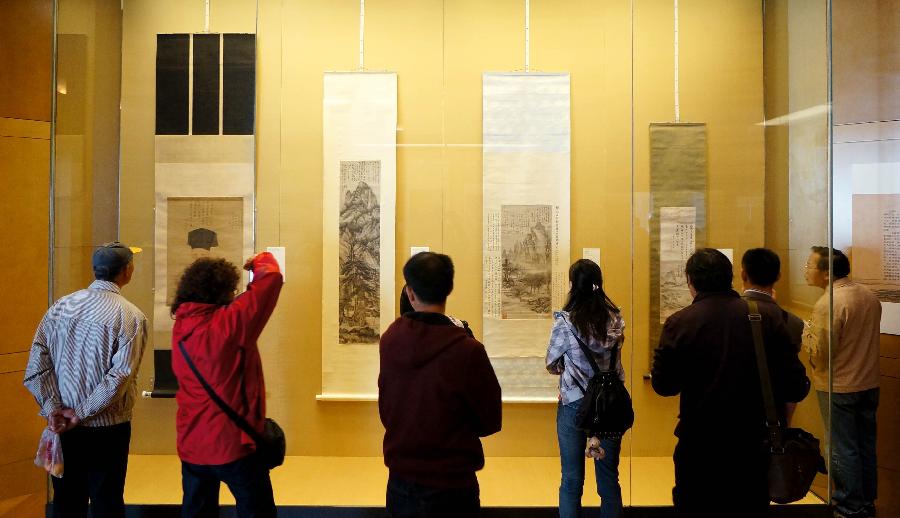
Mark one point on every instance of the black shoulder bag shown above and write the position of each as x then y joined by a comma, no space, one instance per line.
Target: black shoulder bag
793,453
605,409
270,444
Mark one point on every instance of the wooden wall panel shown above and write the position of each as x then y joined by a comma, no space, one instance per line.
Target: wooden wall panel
26,41
889,429
19,409
26,36
25,191
23,490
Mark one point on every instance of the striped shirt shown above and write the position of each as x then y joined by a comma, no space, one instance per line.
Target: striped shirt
85,356
565,358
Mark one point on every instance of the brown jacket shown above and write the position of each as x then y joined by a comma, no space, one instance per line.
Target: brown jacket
856,326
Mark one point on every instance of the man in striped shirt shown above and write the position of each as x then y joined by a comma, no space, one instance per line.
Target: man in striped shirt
81,371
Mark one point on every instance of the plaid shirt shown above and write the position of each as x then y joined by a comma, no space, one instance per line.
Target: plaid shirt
566,359
85,355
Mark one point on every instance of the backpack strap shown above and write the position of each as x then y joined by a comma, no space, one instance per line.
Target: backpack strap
613,359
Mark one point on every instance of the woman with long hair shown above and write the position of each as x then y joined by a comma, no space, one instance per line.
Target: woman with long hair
590,316
217,332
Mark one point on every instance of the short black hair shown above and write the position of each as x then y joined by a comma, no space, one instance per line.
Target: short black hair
104,273
840,265
430,276
762,266
709,270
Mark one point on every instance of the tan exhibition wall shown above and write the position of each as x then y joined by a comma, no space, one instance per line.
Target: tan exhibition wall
621,65
26,42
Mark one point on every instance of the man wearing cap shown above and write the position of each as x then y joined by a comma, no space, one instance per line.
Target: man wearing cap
81,371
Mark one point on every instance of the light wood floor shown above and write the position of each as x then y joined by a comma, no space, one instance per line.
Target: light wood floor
360,481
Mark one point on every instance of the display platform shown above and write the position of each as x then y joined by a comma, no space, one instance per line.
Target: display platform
354,487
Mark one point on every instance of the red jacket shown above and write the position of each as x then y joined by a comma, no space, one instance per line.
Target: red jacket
437,395
222,345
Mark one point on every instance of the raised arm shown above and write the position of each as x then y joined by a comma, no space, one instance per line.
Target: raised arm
246,316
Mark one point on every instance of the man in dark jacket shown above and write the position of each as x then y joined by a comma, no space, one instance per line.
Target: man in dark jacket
706,354
760,270
437,395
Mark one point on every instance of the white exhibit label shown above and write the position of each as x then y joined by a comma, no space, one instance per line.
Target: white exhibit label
729,253
278,252
591,253
413,250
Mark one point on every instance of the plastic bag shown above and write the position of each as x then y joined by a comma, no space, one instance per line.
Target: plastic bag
49,454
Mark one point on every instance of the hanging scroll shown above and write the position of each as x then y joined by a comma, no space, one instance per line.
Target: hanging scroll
204,161
526,136
359,191
678,226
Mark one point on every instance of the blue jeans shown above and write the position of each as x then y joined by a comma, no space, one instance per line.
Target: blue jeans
853,466
572,443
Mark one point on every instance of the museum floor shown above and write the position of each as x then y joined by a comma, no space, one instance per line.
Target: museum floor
323,481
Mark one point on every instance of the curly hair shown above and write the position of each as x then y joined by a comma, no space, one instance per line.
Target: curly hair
207,280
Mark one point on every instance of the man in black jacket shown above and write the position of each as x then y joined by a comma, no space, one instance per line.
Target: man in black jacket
706,354
760,270
437,395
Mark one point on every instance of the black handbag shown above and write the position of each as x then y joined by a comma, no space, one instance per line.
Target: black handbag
271,444
793,453
606,410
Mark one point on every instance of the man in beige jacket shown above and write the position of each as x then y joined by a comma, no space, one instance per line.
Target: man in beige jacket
855,329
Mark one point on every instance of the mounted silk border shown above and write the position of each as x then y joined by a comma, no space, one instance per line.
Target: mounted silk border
526,135
204,160
359,192
678,225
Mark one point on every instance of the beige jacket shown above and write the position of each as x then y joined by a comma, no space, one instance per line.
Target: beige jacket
856,326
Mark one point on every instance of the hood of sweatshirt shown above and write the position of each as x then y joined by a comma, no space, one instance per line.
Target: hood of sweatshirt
417,338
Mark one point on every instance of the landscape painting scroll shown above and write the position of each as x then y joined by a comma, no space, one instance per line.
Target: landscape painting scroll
526,160
359,231
359,199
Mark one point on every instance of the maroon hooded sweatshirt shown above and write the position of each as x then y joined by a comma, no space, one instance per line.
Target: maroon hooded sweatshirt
437,395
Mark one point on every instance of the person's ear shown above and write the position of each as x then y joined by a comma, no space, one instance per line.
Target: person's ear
778,277
410,294
744,275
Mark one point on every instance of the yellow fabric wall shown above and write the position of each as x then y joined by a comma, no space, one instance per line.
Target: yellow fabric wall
620,59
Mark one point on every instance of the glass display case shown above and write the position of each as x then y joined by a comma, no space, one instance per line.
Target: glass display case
625,131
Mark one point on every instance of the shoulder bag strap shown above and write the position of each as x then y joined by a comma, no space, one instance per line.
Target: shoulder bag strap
762,365
234,416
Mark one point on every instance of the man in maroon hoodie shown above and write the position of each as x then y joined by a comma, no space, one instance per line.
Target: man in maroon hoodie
437,395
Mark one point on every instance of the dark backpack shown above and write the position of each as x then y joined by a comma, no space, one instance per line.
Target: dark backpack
606,409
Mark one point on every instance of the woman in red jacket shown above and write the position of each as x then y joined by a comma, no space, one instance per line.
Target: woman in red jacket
219,333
